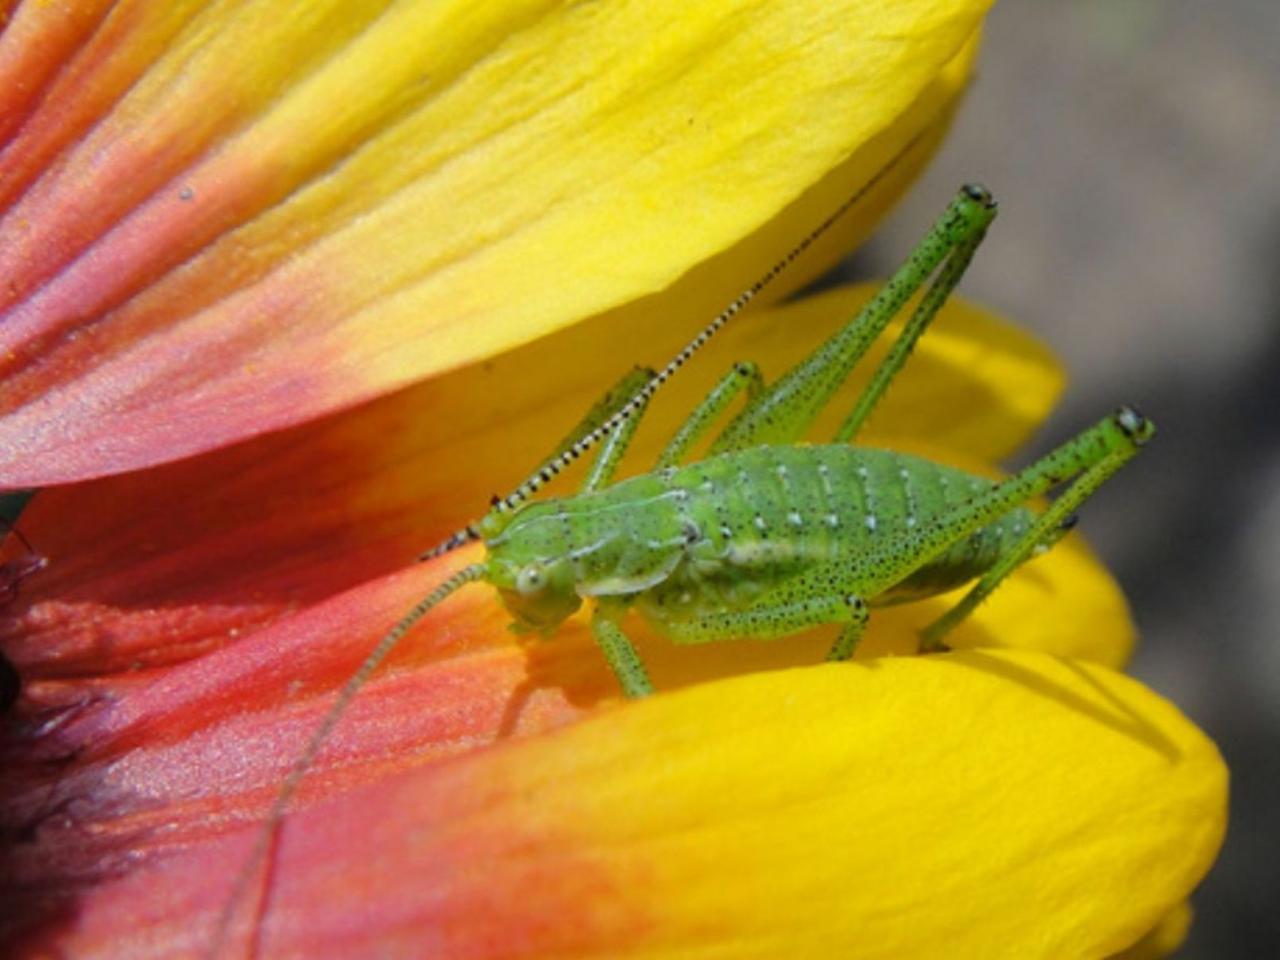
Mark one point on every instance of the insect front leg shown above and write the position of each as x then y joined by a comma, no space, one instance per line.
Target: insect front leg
786,409
575,443
603,409
612,451
619,652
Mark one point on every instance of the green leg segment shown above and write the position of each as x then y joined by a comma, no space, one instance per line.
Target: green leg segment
774,616
1094,454
948,277
603,409
1048,530
850,634
785,410
742,376
613,401
622,656
612,451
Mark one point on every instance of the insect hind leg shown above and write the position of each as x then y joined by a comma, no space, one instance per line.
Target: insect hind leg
944,284
1051,527
783,412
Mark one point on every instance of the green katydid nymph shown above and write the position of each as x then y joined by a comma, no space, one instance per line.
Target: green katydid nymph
764,536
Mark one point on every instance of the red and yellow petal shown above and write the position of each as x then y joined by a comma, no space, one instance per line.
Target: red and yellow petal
220,221
459,682
239,217
974,804
161,565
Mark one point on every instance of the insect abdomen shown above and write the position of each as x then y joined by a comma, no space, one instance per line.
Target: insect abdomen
767,512
717,531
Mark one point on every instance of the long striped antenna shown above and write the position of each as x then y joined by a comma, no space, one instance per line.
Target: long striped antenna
552,468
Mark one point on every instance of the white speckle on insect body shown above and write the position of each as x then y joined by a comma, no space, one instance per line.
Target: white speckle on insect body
833,521
590,548
760,524
909,496
795,519
871,523
824,474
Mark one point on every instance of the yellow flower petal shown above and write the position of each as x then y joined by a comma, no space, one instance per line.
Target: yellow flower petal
283,215
978,805
1164,939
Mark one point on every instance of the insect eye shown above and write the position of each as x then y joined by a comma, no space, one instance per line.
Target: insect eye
531,579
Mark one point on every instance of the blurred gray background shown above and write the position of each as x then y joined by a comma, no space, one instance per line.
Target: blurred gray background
1135,148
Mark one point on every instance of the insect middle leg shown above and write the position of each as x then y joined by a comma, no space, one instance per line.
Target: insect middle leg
784,411
741,376
804,601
